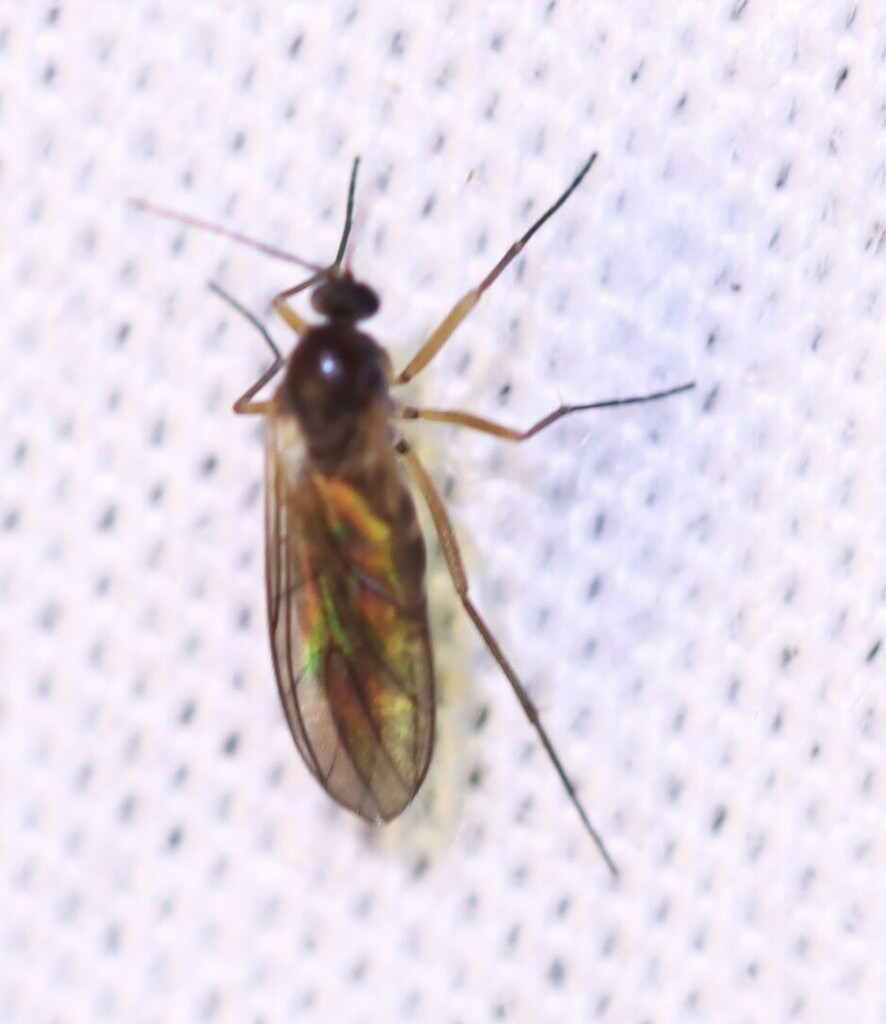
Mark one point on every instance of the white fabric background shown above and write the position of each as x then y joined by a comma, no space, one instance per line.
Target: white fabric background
694,591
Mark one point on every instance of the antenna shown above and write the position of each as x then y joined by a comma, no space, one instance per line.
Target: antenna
349,216
144,206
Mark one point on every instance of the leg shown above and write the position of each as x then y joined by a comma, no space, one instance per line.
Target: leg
463,307
467,419
287,313
244,404
449,546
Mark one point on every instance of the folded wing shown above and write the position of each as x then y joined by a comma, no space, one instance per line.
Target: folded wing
349,639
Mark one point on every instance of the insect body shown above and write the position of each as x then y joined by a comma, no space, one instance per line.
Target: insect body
345,559
345,569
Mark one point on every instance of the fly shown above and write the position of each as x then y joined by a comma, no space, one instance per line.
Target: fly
345,557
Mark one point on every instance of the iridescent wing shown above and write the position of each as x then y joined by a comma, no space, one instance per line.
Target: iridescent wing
348,624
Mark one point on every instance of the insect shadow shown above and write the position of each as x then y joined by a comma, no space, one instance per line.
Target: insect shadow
345,558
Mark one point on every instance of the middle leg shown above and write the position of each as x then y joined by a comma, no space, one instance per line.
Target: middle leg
486,426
